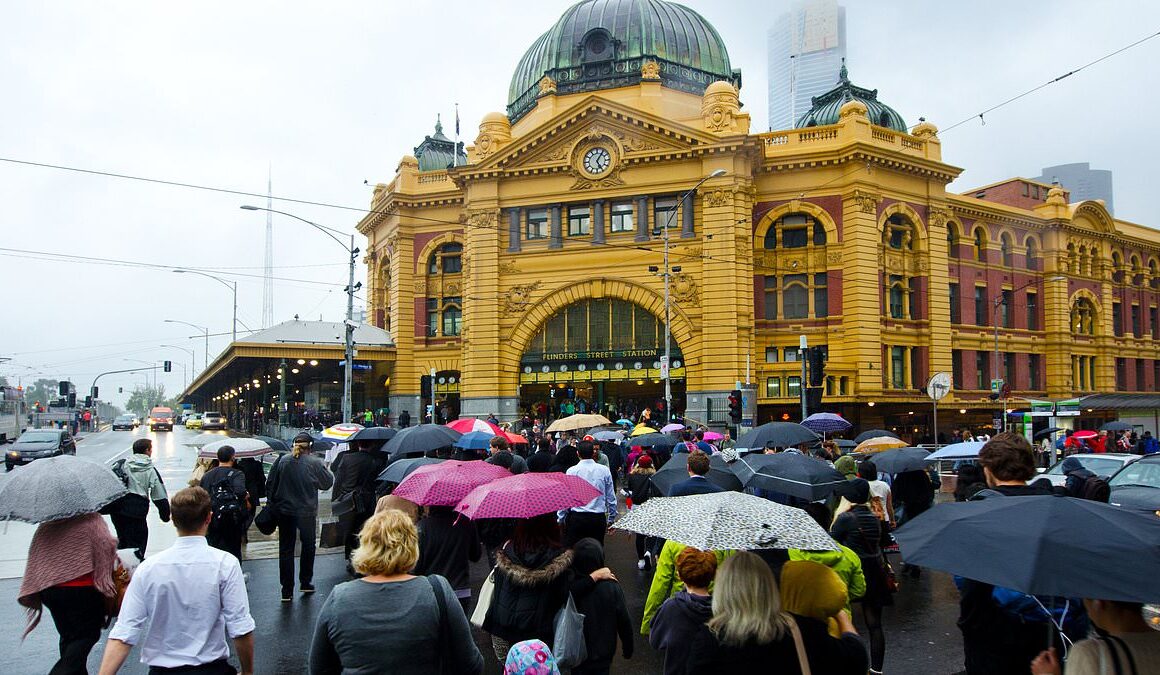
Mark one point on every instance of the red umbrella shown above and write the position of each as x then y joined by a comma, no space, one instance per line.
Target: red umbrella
526,495
1084,434
466,425
446,483
514,438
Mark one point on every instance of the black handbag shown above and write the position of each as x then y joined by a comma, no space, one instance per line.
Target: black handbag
267,519
330,536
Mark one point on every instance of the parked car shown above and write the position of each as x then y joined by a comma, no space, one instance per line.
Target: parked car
161,418
193,421
213,420
1137,486
38,444
126,422
1103,465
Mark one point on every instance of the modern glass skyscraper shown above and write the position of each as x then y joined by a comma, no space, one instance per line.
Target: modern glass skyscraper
1082,181
806,49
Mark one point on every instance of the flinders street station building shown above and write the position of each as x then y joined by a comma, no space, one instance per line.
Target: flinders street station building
528,269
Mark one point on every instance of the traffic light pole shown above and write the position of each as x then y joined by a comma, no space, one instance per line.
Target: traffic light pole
803,347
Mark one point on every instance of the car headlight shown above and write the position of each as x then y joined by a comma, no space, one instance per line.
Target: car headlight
14,454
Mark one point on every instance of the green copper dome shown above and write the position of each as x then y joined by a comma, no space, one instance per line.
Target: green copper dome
602,44
825,107
435,152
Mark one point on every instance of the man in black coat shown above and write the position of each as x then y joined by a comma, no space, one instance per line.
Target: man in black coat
229,516
697,483
353,496
542,459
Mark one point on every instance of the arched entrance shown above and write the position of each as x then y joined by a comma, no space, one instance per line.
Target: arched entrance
598,355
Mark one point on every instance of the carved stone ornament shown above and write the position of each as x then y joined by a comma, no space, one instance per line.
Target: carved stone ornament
393,241
867,203
719,106
518,299
485,145
684,290
834,258
938,216
650,70
547,86
451,289
508,267
718,197
584,182
483,218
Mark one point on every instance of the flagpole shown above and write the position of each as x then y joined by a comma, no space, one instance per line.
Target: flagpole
455,150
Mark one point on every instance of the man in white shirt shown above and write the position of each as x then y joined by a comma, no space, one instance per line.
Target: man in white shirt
190,596
592,519
878,489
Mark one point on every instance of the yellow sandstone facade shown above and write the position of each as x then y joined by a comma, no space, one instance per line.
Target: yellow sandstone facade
520,274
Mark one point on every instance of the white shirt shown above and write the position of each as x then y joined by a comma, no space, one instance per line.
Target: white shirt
601,479
190,596
881,490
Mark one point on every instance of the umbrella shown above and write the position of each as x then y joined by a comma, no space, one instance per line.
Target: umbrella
653,440
468,424
58,487
1047,432
527,495
727,521
901,459
243,447
375,434
474,440
577,422
623,421
276,444
789,473
676,470
1116,426
513,438
1084,433
780,434
874,433
341,432
824,423
670,428
878,444
613,436
420,439
1042,545
844,443
642,429
964,450
398,470
446,483
713,436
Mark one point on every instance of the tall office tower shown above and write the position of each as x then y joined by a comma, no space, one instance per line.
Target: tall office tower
806,49
1082,181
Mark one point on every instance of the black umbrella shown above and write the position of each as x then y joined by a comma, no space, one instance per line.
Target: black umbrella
420,439
780,434
677,469
1116,426
400,469
900,459
789,473
1047,432
374,434
276,444
1043,545
874,433
845,444
656,440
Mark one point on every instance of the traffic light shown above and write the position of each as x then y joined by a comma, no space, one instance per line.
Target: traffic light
168,366
72,399
735,406
88,401
817,366
94,392
62,387
425,390
120,390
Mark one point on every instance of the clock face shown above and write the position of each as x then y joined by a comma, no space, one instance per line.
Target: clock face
597,160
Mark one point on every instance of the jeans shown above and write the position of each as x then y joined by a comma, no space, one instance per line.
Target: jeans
79,615
290,527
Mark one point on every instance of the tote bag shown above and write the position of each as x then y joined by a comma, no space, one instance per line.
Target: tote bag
568,646
484,602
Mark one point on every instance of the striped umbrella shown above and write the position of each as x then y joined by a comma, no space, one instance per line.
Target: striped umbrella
466,425
341,432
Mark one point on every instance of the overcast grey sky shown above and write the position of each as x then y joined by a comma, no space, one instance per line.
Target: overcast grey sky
215,92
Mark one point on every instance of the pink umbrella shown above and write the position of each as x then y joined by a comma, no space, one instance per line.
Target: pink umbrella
446,483
672,427
713,436
466,425
526,495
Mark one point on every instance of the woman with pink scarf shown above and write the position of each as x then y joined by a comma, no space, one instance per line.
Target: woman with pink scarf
70,572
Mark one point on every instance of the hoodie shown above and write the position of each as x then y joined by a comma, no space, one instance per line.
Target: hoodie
530,587
675,625
845,563
602,604
143,480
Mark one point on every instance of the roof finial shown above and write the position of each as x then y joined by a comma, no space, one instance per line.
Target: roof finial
438,124
843,75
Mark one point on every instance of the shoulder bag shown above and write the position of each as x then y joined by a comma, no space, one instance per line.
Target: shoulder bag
486,591
803,658
1111,642
441,603
568,645
267,519
121,580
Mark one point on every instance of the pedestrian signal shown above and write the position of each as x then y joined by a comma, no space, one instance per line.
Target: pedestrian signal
735,406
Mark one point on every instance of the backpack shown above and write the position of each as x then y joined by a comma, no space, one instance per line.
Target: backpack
1095,489
226,506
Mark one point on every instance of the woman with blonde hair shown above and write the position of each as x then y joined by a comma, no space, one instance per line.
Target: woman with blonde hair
390,621
292,491
749,631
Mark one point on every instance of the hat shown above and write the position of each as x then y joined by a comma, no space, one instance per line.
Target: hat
846,465
644,460
530,657
303,438
856,490
588,438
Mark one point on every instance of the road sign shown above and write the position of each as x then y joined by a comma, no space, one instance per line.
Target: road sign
996,385
664,367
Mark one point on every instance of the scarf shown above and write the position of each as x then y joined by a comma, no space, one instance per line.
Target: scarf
63,550
812,590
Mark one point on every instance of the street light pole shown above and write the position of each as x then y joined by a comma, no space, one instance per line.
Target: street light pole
348,342
667,274
201,328
232,285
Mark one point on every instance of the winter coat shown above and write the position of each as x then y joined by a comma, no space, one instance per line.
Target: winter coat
294,483
665,583
845,563
355,473
675,625
447,543
604,609
640,487
845,655
530,587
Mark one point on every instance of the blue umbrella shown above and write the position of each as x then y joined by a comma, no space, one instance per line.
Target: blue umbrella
474,440
965,450
624,421
824,423
1043,545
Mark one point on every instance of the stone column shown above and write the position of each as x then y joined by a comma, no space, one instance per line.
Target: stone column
687,207
641,219
556,238
598,222
514,230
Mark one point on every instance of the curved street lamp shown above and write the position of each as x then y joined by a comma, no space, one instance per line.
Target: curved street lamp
204,329
232,285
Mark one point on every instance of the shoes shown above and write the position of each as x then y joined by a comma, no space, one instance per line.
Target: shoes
641,564
648,560
307,589
287,596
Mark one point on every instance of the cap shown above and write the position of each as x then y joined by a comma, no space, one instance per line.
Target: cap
303,438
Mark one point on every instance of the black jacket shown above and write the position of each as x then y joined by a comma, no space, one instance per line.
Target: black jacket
529,589
675,625
860,530
541,461
219,474
294,483
640,487
827,655
602,604
698,485
255,479
447,543
355,472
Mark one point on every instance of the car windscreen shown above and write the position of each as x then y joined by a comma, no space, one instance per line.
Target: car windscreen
211,414
1138,473
1100,466
39,436
125,418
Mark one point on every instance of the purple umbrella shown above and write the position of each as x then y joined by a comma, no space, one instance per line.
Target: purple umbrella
825,423
669,428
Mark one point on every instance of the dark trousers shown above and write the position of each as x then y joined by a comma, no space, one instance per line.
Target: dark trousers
289,529
131,533
578,525
79,615
227,537
220,667
352,524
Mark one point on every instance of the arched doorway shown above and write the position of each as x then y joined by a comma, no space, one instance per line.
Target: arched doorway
598,355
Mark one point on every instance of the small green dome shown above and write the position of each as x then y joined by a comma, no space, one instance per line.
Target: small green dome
825,107
435,153
602,44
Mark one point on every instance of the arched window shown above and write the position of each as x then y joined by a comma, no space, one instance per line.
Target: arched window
1136,270
1084,261
1083,317
1032,253
899,233
1117,268
771,237
980,244
795,230
1072,261
452,320
1005,247
952,240
819,234
897,301
450,255
598,325
795,296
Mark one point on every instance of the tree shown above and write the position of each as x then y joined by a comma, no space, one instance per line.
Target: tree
43,390
145,398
